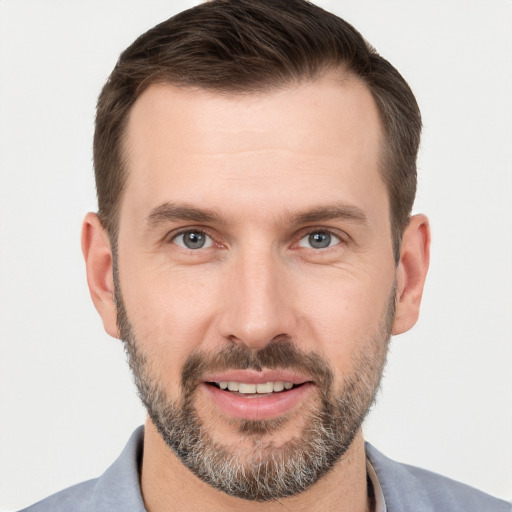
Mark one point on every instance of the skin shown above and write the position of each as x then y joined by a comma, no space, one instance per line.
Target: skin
257,162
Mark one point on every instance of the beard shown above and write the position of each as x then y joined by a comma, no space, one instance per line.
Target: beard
267,470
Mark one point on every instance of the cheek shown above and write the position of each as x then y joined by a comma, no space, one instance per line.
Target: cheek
344,319
170,311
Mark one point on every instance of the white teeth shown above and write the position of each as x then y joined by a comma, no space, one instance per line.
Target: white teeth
246,388
278,386
233,386
264,388
268,387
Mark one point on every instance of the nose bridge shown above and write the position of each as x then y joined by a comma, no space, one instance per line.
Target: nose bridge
256,310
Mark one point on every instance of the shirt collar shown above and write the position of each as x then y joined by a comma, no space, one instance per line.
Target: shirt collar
380,504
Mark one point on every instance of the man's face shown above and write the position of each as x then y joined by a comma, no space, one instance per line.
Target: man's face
255,252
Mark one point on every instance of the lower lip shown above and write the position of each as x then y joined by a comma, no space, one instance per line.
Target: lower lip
254,407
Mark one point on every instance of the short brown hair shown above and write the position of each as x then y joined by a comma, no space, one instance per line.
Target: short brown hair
246,46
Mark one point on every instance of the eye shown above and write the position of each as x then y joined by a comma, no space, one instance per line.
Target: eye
319,240
193,239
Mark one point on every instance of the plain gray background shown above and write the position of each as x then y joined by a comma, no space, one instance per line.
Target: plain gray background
67,404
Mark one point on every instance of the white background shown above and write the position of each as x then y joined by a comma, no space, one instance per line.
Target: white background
67,404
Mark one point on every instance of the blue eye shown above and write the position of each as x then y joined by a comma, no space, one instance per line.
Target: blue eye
193,240
319,240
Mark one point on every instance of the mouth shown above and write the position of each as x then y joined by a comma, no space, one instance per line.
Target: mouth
247,388
257,395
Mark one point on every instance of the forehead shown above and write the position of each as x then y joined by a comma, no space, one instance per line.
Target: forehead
322,109
324,134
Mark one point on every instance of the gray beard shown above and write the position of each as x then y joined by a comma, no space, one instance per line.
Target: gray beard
268,471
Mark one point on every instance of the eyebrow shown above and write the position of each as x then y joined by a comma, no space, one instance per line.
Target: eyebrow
331,212
168,212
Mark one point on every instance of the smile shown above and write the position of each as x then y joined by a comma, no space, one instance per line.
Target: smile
251,389
272,398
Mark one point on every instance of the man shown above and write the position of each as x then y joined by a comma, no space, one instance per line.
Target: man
254,250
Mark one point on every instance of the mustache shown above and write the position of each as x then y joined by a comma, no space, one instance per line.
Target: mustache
278,354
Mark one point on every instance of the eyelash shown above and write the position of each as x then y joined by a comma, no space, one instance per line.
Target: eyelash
338,238
324,232
200,232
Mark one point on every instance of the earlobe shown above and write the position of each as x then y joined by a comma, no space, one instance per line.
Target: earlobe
99,265
411,272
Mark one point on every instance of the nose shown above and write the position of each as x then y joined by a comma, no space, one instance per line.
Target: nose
257,301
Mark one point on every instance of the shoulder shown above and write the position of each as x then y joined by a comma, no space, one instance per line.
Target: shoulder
408,488
117,489
72,499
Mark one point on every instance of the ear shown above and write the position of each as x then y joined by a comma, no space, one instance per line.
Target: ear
411,272
99,264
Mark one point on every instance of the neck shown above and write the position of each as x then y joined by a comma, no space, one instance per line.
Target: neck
168,485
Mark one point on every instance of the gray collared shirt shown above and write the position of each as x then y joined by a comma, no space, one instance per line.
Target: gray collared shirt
399,487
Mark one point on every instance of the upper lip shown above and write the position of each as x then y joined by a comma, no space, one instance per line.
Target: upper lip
255,377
